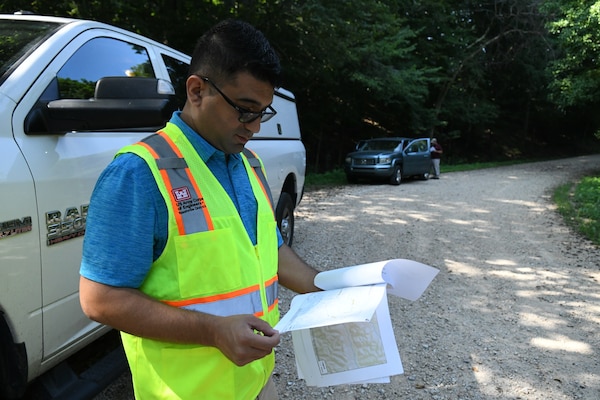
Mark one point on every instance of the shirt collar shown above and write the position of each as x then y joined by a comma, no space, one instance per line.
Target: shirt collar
204,149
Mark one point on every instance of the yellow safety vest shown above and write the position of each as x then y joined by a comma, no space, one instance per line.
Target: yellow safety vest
210,265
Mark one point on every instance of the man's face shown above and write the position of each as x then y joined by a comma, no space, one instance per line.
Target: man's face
209,114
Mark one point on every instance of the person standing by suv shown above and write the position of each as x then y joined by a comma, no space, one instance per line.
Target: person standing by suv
182,252
436,155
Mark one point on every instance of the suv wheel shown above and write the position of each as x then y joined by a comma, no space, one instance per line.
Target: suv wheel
396,176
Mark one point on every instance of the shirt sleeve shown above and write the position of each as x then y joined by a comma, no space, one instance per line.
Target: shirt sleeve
126,227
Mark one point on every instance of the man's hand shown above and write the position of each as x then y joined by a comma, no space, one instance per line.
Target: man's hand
244,338
241,338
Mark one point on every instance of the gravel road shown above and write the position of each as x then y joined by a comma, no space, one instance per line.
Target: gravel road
514,312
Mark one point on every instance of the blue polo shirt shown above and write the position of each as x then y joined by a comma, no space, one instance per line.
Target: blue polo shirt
126,228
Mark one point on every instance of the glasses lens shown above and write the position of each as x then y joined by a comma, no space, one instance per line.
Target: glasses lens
267,116
247,117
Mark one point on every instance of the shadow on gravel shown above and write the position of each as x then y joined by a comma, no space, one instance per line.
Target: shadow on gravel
515,310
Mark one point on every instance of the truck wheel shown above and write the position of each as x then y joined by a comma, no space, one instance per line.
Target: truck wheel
13,365
396,176
285,217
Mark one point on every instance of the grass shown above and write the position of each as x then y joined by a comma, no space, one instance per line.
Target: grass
578,202
331,178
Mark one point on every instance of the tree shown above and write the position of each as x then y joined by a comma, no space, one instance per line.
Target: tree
479,47
575,88
476,74
353,71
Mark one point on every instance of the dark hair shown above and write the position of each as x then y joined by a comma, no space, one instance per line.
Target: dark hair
234,46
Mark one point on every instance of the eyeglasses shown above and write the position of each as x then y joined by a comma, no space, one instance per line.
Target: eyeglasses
246,116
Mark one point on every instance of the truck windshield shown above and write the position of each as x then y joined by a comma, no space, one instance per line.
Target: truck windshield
17,39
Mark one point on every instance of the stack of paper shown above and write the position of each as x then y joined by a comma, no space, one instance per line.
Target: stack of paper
344,333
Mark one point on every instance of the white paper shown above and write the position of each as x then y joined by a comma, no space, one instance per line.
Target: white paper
357,352
332,307
344,334
406,278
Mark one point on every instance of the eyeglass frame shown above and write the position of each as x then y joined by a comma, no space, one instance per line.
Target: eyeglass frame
246,116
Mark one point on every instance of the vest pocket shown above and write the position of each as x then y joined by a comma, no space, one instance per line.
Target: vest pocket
207,263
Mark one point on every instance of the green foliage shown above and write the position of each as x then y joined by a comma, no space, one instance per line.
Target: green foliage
579,203
354,74
14,43
335,177
72,89
576,73
587,200
491,80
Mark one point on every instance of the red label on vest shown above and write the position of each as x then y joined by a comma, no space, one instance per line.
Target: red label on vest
181,194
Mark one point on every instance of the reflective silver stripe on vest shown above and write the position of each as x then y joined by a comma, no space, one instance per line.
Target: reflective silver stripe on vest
245,304
248,303
189,206
272,291
255,163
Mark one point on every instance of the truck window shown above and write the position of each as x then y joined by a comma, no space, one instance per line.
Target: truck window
178,73
17,39
98,58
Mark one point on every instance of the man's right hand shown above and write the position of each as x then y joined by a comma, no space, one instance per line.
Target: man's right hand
241,338
244,338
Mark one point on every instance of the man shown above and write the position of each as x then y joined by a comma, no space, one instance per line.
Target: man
436,154
182,252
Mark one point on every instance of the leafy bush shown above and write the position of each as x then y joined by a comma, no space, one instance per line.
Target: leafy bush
579,203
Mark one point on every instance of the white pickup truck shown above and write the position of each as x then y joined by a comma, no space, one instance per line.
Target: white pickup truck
60,125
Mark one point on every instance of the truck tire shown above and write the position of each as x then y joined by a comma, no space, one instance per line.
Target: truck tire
396,176
13,365
285,217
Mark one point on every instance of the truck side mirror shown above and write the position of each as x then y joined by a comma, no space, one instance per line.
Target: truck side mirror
119,103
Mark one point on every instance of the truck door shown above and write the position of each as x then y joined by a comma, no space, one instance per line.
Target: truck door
65,168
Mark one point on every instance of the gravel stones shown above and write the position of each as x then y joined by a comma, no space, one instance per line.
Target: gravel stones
515,310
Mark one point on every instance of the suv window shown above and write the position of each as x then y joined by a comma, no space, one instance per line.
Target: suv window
96,59
418,146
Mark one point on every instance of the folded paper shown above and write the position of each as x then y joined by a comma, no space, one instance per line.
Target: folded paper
344,334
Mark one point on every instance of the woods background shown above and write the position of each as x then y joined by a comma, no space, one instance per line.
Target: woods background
492,80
